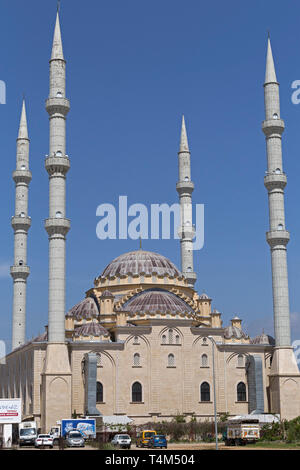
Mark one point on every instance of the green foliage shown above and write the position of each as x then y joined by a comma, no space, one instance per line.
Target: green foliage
224,417
287,431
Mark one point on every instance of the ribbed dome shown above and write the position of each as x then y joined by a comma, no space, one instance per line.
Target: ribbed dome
140,261
87,308
156,301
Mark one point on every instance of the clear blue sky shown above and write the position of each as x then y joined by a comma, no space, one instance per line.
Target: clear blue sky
133,68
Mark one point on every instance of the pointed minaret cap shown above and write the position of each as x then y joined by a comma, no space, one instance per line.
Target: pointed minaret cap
23,130
57,49
270,68
184,146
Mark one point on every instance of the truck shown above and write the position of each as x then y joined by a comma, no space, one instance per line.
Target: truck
241,432
27,433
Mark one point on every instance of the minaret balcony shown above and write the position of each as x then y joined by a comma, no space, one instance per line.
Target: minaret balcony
273,127
275,181
54,165
57,226
19,272
185,187
22,176
191,277
21,223
186,232
277,238
57,105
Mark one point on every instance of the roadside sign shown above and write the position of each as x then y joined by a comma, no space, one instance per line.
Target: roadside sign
10,410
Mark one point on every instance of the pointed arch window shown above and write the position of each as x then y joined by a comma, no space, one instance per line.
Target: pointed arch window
136,392
241,392
170,336
205,392
171,360
204,360
99,396
136,360
240,360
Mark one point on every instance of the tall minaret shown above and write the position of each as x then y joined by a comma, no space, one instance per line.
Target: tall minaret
21,224
57,399
284,363
57,165
185,188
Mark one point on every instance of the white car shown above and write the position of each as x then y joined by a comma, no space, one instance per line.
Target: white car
44,440
122,440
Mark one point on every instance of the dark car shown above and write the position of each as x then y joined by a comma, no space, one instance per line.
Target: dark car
158,441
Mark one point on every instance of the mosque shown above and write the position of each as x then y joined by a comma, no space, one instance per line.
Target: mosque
142,342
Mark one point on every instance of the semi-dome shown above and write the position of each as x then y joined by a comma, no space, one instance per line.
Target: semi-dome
234,332
141,262
91,329
157,301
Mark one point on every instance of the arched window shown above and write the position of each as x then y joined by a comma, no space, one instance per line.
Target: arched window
204,360
136,359
99,360
164,339
170,336
136,392
241,391
205,392
177,339
240,360
136,340
99,396
171,360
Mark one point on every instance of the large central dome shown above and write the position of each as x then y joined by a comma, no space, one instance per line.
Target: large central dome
141,262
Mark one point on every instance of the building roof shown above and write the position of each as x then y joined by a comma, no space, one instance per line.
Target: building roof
87,308
141,262
156,301
90,329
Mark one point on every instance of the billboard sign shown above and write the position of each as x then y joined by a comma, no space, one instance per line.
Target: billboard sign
10,410
87,427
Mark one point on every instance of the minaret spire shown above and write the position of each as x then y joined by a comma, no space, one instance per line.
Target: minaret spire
284,362
185,188
23,130
184,146
57,48
21,224
270,76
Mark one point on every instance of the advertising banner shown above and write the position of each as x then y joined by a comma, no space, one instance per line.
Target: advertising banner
10,410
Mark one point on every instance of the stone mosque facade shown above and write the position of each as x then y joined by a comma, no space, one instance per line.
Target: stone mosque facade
140,343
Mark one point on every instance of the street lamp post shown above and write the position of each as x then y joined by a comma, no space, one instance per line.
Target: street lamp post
214,383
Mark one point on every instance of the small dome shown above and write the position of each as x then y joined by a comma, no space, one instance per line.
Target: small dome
234,332
91,329
87,308
107,293
141,262
204,296
156,301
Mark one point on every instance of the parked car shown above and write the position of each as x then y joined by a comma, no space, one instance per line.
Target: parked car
158,441
44,440
144,437
122,440
74,439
